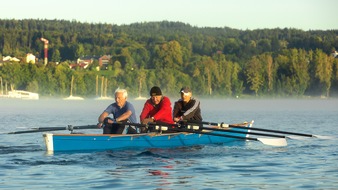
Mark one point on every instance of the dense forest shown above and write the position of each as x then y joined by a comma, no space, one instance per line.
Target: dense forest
214,62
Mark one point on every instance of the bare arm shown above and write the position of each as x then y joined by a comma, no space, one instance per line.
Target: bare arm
101,119
124,116
103,116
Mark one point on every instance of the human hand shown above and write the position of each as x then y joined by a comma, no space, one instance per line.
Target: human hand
177,119
100,125
147,120
108,120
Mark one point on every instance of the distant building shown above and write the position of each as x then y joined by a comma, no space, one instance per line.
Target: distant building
104,61
30,58
10,59
83,62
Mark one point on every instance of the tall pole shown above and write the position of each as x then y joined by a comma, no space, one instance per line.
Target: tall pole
105,87
71,86
45,48
2,88
102,83
97,85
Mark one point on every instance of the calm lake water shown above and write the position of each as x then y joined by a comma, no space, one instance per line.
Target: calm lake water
310,163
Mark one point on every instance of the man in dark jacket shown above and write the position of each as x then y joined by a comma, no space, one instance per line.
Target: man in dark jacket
187,108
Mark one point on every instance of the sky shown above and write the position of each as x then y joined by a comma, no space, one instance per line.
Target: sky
238,14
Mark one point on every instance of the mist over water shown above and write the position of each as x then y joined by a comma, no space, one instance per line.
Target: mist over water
304,164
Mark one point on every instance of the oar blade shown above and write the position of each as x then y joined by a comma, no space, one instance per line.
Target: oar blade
273,141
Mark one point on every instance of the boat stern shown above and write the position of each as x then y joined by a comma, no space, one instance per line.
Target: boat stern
48,138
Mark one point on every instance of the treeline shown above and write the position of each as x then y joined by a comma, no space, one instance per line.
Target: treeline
215,62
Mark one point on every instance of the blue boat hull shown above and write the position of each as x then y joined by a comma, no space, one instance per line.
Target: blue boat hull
100,142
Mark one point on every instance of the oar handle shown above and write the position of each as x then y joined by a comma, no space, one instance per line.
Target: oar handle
146,127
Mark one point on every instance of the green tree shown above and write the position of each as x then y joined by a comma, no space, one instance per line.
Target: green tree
300,70
254,74
11,74
141,81
117,69
209,69
79,51
324,68
224,69
237,84
168,55
33,86
270,71
293,71
56,56
61,72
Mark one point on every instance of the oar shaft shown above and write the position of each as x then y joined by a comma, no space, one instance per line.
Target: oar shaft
50,128
84,127
258,129
273,131
43,129
30,131
69,127
244,132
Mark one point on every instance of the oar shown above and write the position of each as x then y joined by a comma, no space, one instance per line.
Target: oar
71,128
240,132
266,141
266,130
43,129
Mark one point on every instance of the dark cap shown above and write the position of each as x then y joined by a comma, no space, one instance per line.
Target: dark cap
155,91
185,89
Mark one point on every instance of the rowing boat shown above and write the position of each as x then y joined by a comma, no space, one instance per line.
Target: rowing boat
101,142
165,136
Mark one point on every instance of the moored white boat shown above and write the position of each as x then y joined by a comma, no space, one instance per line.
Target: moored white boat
103,89
71,97
21,94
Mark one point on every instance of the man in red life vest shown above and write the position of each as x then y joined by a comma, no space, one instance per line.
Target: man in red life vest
157,108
